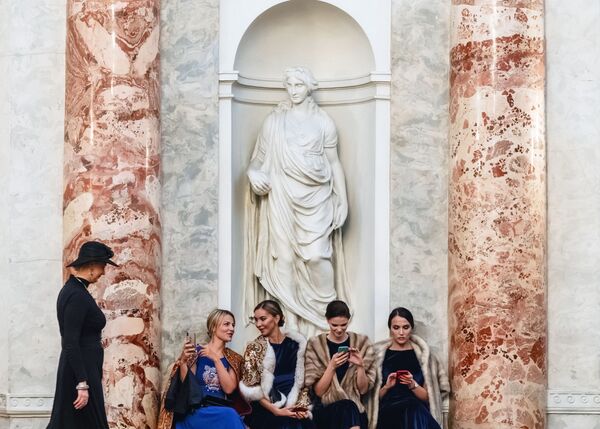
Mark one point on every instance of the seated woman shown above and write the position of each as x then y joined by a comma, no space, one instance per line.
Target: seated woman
340,370
412,381
273,376
203,380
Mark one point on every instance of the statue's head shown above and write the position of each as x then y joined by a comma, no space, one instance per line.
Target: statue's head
299,83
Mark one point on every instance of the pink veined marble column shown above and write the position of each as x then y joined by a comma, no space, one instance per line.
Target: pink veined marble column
497,215
112,189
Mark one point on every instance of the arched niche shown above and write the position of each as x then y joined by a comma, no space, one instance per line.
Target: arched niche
304,32
332,43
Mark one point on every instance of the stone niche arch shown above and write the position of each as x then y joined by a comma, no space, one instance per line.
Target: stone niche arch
353,90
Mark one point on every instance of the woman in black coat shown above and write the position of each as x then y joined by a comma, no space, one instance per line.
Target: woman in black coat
78,399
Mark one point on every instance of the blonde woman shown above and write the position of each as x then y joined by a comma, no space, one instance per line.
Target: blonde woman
204,381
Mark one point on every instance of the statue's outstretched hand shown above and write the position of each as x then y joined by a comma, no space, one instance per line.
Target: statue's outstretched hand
259,182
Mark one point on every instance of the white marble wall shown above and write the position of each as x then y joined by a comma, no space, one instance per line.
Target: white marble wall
189,121
32,37
573,141
419,157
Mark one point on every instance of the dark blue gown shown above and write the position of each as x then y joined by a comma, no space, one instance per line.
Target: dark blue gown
400,408
213,417
342,414
286,355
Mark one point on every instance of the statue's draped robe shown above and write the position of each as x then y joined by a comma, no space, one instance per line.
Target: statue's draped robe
293,222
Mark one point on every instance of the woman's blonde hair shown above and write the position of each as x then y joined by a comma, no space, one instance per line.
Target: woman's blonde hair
214,318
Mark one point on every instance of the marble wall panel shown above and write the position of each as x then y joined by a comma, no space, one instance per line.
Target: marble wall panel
573,109
419,155
4,198
31,134
189,122
573,421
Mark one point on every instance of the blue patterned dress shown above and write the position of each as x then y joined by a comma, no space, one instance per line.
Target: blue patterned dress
213,417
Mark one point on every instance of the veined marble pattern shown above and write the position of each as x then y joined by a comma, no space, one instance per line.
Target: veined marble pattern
112,189
31,145
497,215
418,166
189,122
573,109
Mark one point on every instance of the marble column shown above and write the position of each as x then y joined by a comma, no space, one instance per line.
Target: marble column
497,215
112,189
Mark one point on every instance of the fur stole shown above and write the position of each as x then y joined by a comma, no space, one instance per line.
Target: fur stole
436,379
317,359
259,372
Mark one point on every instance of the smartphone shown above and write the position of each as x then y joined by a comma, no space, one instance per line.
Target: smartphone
402,373
343,349
299,409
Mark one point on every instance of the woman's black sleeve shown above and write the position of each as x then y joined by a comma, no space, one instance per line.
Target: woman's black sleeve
75,311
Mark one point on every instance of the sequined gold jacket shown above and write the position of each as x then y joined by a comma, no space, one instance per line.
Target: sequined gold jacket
259,372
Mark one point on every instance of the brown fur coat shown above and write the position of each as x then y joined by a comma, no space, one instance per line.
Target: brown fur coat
436,379
317,359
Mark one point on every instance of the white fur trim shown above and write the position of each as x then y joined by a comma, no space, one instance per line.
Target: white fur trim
299,374
253,393
268,372
262,390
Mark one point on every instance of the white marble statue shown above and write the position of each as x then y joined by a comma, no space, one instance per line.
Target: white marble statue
296,207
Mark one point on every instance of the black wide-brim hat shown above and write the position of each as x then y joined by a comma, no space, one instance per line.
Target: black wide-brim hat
93,251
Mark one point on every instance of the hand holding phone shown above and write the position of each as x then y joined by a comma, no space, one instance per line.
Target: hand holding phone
343,349
403,376
299,409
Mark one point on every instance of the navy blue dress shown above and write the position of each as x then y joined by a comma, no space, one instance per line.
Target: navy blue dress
400,408
214,417
286,355
342,414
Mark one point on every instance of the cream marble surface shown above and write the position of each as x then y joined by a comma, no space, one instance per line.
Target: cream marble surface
573,108
574,422
34,208
4,198
189,121
32,39
418,214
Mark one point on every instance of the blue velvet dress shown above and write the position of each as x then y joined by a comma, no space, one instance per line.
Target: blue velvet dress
400,408
213,417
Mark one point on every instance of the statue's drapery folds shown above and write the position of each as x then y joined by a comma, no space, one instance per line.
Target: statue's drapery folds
294,248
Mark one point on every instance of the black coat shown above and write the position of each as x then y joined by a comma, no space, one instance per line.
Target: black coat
80,321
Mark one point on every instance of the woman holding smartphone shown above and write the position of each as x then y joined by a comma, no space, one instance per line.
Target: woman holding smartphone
411,379
273,376
204,381
340,371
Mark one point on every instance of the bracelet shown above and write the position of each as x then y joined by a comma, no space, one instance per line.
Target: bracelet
82,386
414,386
